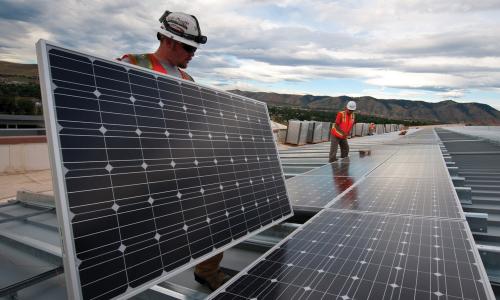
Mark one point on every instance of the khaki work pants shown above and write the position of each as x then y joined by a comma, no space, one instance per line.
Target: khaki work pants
344,148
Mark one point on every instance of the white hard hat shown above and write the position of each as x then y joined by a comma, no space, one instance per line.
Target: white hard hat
181,27
351,105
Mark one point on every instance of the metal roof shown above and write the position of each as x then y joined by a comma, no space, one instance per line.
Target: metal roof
475,153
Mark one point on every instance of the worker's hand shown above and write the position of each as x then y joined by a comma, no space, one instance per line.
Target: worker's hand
340,130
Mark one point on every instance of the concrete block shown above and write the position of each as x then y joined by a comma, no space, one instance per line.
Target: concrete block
19,158
27,196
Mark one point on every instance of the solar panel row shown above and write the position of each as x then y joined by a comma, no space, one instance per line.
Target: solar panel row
398,233
318,187
352,255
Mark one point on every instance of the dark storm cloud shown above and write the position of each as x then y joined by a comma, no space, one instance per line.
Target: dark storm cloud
18,10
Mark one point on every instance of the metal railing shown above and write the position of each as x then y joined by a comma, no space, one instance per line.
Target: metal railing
21,131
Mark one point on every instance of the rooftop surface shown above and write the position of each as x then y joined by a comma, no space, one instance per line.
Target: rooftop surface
30,246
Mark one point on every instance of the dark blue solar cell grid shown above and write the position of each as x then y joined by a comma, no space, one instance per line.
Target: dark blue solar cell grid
157,171
412,196
346,255
316,191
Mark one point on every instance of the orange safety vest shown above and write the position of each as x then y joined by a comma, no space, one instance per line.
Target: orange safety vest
345,123
149,61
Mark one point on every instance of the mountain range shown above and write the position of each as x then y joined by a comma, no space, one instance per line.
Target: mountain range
442,112
447,111
18,73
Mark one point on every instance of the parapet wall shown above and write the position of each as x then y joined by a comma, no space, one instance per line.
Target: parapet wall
23,154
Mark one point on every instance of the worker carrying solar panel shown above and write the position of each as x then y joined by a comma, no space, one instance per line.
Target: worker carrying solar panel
340,131
180,36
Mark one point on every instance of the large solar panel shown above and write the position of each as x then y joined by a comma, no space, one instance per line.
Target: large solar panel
348,255
152,174
407,196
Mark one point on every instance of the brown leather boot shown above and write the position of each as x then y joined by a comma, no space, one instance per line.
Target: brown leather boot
208,272
213,281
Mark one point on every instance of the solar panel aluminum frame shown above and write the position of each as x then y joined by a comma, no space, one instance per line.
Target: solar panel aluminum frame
70,259
55,158
454,191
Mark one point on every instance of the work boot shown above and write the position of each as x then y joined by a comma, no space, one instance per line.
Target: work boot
213,281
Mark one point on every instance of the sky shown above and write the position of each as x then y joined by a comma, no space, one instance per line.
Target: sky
413,49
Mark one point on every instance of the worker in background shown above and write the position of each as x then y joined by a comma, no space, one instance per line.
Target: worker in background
180,36
371,129
340,131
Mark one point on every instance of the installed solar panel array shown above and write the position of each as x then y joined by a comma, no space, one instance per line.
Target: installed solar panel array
152,174
314,190
399,233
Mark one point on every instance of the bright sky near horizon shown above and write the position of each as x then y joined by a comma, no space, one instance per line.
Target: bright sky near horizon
416,49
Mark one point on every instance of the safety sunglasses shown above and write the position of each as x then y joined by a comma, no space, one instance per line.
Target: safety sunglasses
189,49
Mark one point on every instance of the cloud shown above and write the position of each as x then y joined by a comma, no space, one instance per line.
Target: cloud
452,94
447,48
18,10
24,34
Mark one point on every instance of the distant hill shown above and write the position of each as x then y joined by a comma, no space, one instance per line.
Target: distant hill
442,112
18,73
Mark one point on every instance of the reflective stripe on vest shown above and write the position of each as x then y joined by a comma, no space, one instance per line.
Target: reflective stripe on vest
149,61
346,123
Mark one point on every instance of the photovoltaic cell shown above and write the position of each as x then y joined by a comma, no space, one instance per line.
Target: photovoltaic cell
345,168
413,170
152,173
316,191
417,156
317,188
347,255
412,196
421,137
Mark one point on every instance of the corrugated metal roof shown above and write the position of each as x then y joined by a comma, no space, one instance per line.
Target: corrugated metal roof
476,154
